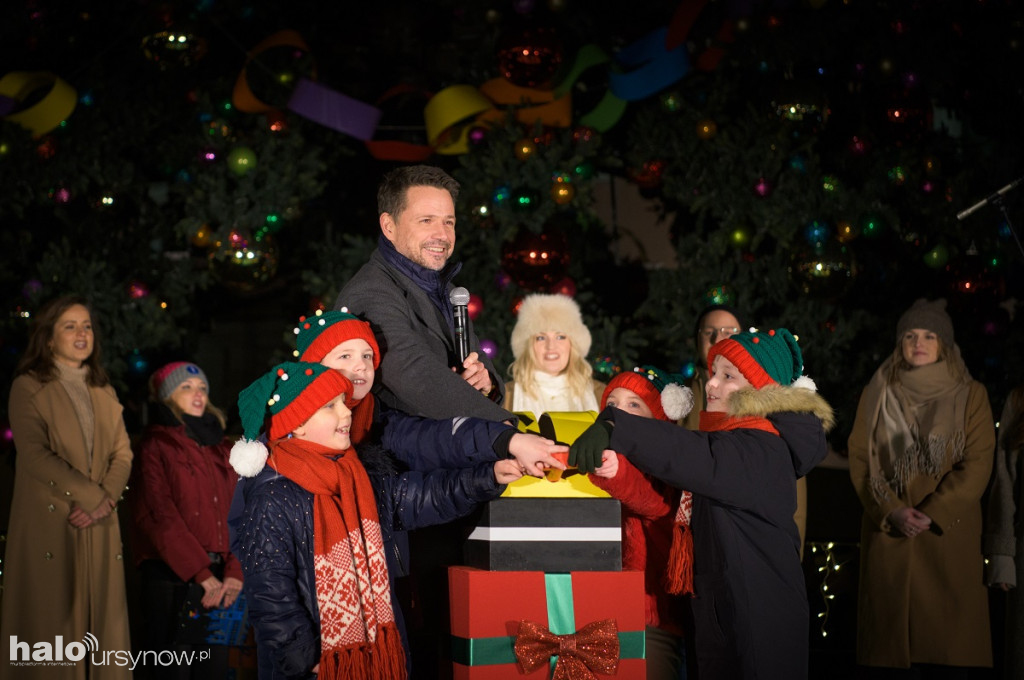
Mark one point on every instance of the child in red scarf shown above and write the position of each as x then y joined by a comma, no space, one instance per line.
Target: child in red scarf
309,537
655,519
764,427
423,471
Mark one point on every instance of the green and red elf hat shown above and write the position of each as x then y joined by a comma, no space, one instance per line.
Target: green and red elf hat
289,394
764,358
318,334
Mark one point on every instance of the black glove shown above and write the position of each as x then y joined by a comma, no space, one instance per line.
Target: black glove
585,452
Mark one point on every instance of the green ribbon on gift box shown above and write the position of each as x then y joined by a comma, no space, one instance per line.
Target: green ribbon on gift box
561,621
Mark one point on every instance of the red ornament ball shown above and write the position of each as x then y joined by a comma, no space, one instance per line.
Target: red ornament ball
536,261
475,306
529,56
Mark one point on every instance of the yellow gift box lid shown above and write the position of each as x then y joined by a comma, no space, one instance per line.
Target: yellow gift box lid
562,427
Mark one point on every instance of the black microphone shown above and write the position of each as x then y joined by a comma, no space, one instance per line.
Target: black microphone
459,297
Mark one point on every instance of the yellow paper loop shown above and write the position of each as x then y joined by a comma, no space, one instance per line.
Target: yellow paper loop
447,109
242,97
46,114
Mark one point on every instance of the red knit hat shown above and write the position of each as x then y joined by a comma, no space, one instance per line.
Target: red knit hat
664,394
762,357
319,334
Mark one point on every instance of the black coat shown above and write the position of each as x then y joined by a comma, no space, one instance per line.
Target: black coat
750,602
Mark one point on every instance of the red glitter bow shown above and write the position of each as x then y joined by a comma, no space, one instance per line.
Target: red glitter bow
593,649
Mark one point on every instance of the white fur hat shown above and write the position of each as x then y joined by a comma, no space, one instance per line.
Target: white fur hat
541,312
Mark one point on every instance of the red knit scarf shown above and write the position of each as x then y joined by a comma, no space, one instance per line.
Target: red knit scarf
358,635
679,574
362,417
716,421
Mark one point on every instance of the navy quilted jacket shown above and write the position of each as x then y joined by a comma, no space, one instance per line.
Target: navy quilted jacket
272,532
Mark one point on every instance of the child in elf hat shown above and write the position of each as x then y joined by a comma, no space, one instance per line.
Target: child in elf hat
394,446
764,427
656,537
309,537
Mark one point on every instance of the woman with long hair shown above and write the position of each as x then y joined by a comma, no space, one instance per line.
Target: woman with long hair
550,373
64,576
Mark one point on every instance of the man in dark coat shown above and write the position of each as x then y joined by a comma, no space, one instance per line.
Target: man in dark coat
403,291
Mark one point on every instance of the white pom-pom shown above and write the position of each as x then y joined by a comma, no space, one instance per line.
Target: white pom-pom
805,383
677,400
248,456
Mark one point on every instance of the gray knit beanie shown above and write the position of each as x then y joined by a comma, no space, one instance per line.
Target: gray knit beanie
930,315
167,378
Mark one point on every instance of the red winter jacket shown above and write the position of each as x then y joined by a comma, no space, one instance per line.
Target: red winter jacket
181,495
648,514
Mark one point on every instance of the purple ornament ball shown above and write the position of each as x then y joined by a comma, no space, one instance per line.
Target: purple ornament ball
489,347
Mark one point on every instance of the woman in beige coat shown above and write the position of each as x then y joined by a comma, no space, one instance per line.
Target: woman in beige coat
921,452
64,607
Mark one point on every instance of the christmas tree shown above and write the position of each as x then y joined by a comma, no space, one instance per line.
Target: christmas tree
811,158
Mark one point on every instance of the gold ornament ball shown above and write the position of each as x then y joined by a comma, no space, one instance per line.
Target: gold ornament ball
707,128
525,148
846,231
562,193
201,238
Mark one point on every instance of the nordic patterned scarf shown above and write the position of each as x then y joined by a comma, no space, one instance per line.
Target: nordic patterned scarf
358,636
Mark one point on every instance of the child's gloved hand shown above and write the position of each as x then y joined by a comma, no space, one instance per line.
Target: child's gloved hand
585,452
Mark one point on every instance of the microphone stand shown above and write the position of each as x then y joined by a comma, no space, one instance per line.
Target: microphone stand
996,199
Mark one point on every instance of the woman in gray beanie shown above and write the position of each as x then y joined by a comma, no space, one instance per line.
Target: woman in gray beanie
181,492
921,451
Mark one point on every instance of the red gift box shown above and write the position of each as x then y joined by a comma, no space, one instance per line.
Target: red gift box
488,607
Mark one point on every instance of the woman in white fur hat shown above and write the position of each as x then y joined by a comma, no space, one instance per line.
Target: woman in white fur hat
550,372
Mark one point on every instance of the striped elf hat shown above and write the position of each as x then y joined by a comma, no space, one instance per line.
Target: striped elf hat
289,394
763,357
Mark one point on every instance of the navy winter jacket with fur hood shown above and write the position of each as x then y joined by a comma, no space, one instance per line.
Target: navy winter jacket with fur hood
750,603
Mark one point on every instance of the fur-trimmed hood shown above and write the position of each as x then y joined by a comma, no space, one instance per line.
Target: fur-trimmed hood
777,399
789,409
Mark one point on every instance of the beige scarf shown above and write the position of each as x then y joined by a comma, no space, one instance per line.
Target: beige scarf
917,425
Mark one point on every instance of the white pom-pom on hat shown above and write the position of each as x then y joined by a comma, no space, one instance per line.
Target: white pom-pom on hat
676,400
805,383
248,457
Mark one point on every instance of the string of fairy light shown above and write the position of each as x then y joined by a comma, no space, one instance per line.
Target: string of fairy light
828,565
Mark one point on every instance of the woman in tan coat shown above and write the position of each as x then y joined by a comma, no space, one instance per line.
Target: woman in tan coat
64,607
921,452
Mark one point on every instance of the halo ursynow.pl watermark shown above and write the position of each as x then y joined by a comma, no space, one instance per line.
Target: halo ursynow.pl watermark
88,650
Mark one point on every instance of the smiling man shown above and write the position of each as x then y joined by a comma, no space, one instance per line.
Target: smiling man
403,292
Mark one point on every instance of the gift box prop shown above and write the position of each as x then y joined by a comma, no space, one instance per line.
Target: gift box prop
547,534
528,624
560,523
562,427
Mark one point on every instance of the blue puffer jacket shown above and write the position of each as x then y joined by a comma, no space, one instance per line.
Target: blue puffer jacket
272,532
417,443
